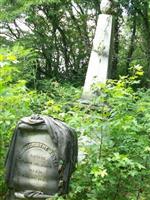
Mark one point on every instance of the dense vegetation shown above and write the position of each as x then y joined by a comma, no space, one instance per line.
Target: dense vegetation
42,70
113,131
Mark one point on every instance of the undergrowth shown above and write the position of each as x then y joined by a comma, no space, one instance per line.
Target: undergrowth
113,131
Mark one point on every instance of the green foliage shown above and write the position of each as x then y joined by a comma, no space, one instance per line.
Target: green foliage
52,28
14,103
113,130
49,43
61,34
114,140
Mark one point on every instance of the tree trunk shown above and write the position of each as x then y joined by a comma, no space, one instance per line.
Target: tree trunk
116,49
131,46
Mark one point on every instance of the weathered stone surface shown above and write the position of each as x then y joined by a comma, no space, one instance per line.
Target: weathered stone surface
100,60
106,6
41,158
36,163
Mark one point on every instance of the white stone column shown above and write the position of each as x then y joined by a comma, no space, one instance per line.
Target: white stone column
100,60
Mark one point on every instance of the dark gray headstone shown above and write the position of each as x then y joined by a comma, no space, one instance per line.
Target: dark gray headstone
41,158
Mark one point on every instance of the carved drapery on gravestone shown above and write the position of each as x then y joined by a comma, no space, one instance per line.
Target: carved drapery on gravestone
100,60
41,158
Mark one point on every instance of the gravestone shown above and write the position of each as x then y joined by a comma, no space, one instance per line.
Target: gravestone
41,158
99,67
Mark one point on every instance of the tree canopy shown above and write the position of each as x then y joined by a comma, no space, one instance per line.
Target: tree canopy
61,35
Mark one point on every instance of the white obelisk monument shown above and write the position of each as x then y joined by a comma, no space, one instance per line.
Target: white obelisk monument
100,60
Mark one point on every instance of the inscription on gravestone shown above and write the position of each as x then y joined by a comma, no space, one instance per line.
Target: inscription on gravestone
37,165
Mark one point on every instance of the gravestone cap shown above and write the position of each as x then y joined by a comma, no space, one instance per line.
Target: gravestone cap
108,7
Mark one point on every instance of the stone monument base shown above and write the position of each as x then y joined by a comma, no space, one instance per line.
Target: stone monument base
20,196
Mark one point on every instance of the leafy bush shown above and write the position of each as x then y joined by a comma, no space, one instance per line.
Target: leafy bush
113,131
114,140
116,163
14,104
